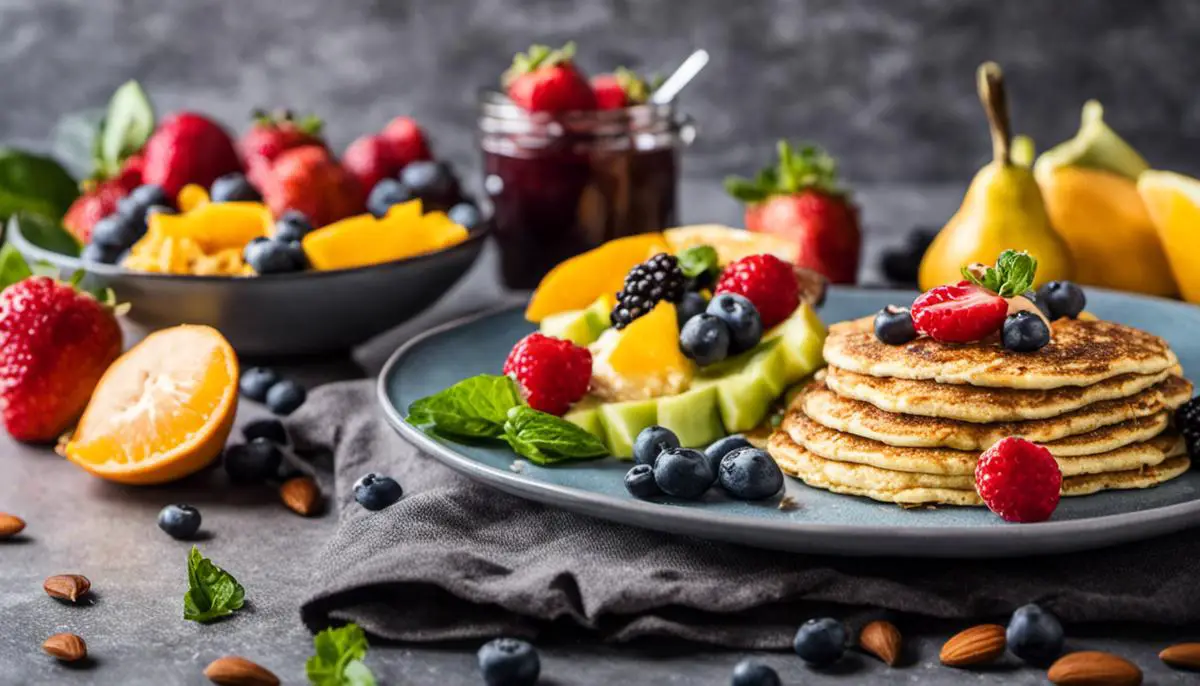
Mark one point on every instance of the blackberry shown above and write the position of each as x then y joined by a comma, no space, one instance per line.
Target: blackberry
1187,420
658,278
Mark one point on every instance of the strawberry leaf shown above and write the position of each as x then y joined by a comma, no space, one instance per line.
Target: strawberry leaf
537,57
13,267
796,171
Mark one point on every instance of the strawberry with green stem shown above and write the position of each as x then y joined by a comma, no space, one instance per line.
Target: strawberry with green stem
546,80
622,88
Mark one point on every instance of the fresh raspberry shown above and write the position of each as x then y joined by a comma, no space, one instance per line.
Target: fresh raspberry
1019,480
553,373
959,313
768,282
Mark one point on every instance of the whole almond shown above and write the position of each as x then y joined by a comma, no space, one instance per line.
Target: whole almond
301,495
70,587
1182,656
232,670
974,646
1094,668
10,525
66,647
881,639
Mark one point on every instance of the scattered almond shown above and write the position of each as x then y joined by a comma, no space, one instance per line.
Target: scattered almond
881,639
1094,668
974,646
1182,656
232,670
69,587
10,525
301,495
66,647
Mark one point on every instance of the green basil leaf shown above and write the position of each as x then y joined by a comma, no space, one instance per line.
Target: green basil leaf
36,184
338,659
127,125
546,439
473,408
212,592
45,232
698,260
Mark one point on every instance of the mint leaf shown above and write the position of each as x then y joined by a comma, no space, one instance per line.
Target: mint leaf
33,183
472,408
45,232
698,260
212,592
126,127
13,267
338,658
546,439
1012,275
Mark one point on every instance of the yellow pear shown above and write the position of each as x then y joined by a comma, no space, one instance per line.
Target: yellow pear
1003,209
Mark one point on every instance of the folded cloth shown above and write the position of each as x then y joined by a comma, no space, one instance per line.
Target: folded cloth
458,560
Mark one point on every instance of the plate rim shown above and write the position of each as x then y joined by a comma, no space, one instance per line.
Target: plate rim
1043,537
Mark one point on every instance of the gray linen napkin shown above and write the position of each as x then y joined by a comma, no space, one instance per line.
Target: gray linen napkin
456,560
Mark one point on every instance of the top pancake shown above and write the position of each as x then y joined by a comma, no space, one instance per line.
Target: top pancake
1080,353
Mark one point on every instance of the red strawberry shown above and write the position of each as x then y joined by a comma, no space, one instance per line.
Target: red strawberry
371,158
188,148
408,141
545,80
271,134
800,199
552,373
99,200
959,313
1019,480
768,282
55,343
621,88
309,180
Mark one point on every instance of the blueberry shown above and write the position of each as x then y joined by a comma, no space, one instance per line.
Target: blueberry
750,474
820,642
1061,299
650,442
376,492
722,447
745,324
148,195
894,326
256,381
704,339
269,256
299,258
104,254
1034,635
252,462
1024,332
386,193
285,397
292,226
751,673
466,215
640,483
509,662
179,521
683,473
269,429
117,231
691,305
432,182
233,187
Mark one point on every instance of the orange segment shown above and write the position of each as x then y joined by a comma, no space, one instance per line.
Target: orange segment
576,283
649,347
162,411
364,240
731,244
1173,201
215,226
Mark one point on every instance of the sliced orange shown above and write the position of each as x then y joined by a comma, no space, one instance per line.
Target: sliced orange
215,226
363,240
1173,201
162,411
576,283
731,244
649,347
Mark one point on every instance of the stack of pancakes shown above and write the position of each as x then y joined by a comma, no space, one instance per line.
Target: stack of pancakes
906,424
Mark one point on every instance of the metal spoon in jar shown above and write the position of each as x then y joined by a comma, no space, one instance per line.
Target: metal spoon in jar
680,78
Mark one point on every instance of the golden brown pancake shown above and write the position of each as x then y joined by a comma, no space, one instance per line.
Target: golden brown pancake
1080,353
980,404
866,420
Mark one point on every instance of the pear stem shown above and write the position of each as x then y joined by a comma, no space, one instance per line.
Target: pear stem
995,104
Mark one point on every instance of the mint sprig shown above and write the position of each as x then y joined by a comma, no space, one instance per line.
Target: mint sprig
212,591
798,170
1012,275
339,658
488,407
698,261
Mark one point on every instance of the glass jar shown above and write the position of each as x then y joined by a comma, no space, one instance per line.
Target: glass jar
562,184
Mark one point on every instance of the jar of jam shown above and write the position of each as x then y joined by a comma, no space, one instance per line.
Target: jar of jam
560,184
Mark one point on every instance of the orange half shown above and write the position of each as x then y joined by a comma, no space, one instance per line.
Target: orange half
162,411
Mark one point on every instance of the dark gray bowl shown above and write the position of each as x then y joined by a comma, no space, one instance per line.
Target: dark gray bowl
282,314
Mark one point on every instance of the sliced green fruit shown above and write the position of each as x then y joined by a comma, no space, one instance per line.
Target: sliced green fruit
744,397
803,337
586,415
581,327
624,421
693,416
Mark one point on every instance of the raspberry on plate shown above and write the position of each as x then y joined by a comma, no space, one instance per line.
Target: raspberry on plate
765,280
552,373
959,313
1019,480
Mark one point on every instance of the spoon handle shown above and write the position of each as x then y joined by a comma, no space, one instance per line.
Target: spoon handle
680,78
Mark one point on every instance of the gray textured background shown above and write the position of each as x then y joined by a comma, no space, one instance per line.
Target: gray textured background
887,85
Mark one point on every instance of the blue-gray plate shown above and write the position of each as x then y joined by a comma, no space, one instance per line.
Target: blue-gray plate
821,522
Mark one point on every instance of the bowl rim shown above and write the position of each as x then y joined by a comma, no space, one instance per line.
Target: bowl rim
25,246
